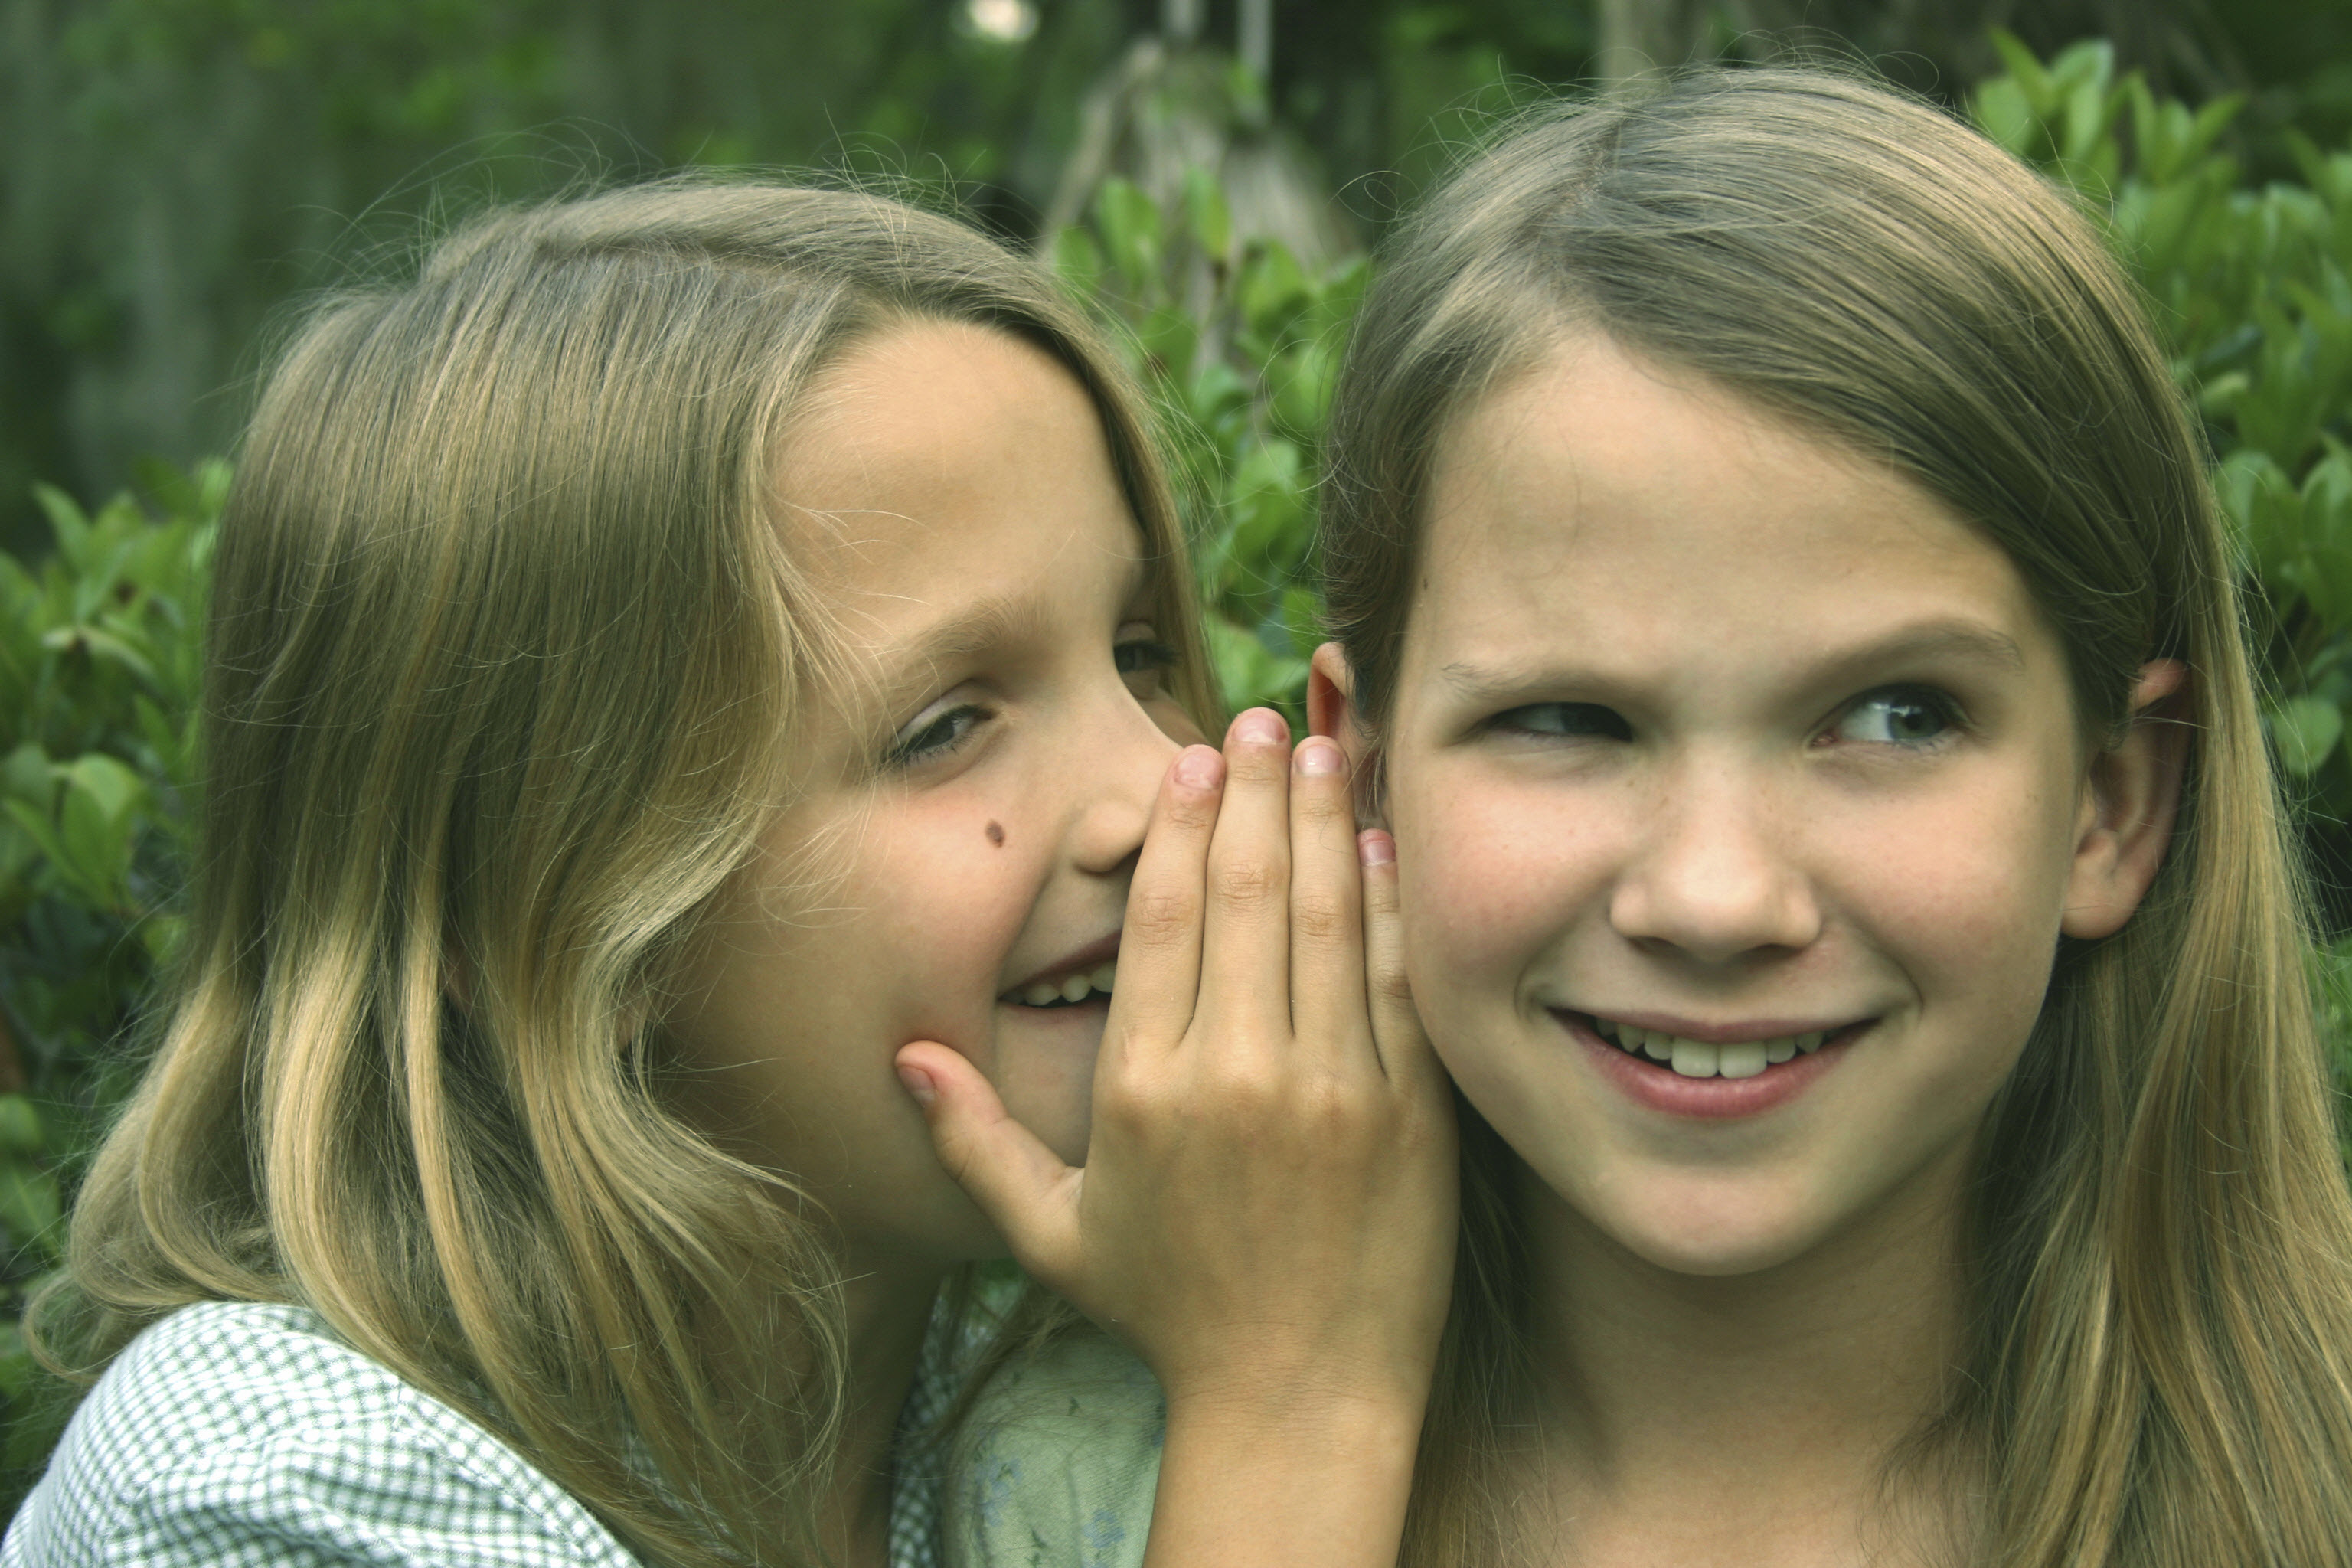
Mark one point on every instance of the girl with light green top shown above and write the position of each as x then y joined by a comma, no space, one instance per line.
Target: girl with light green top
678,649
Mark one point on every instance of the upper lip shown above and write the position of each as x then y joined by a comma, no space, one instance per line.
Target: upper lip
1094,955
1734,1032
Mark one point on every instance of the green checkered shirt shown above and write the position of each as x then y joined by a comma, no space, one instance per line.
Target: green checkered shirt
233,1435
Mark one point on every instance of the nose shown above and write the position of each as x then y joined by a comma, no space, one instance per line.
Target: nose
1713,876
1116,784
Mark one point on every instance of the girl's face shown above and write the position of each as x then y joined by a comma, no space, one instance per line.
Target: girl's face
956,867
1739,805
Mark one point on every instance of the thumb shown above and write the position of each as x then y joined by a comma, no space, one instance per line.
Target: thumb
1020,1184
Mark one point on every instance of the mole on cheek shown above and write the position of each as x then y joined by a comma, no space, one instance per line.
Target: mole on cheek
996,834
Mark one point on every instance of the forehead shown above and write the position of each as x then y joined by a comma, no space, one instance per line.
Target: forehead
946,460
1597,487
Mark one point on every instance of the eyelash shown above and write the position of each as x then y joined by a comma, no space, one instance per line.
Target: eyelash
1592,722
1148,655
1598,722
910,750
1942,704
1127,658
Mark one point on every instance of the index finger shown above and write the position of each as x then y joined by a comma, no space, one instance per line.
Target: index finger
1160,945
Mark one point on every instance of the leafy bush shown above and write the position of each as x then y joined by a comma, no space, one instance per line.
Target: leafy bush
98,702
1241,345
2249,288
97,652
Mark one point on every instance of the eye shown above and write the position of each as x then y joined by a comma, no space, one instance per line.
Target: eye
1898,716
936,734
1138,655
1567,719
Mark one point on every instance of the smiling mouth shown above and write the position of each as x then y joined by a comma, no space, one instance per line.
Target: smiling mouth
1704,1058
1074,989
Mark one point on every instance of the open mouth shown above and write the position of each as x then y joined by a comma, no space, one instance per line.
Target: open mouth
1074,989
1706,1058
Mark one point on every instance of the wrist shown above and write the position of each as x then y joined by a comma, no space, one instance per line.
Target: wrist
1352,1424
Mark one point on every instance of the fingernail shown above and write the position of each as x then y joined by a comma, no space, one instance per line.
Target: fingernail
1262,725
1199,768
918,1084
1318,757
1375,847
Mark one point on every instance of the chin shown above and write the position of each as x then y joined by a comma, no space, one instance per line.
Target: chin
1722,1231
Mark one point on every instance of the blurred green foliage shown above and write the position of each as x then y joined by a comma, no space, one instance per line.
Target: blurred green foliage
1240,343
98,669
2251,287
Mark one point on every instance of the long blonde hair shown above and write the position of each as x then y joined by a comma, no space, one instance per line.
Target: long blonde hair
503,665
2160,1364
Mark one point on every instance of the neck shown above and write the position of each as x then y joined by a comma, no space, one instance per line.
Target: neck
888,1306
1765,1403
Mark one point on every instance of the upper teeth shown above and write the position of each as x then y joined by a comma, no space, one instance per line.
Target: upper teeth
1699,1058
1073,987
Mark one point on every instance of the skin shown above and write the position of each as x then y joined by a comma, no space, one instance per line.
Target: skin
1703,721
970,814
944,483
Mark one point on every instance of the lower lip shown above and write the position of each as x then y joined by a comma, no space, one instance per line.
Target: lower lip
1659,1088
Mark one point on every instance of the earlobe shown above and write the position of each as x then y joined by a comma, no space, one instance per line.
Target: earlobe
1331,711
2132,797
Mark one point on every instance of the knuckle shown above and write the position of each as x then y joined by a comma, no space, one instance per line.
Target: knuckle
1248,883
1194,814
1129,1103
1320,807
1158,917
1244,1092
1389,984
1320,917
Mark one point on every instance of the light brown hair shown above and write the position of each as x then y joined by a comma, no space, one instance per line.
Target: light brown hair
503,665
2160,1364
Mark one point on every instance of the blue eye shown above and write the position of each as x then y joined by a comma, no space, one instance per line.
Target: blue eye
1566,719
936,734
1898,716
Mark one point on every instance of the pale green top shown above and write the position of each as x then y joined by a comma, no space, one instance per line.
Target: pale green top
1058,1462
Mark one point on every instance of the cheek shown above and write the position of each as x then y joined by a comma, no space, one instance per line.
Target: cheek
947,902
1984,868
1494,873
1964,887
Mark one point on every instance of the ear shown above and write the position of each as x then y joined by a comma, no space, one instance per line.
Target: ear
1331,711
2129,802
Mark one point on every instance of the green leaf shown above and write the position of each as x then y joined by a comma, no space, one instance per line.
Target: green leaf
68,522
1303,383
2003,114
1130,222
2032,80
1211,220
97,829
1079,261
27,774
101,645
20,1125
1274,290
1171,336
2304,731
111,787
1250,674
28,1205
36,826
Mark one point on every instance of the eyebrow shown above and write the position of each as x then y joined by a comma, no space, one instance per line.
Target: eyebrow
996,619
1942,641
